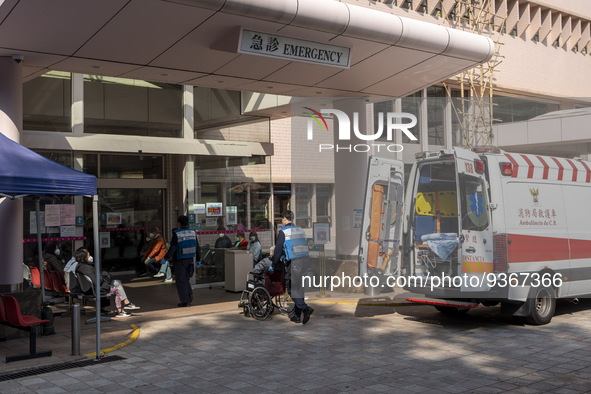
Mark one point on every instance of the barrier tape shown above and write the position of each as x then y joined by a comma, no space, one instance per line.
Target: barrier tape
54,239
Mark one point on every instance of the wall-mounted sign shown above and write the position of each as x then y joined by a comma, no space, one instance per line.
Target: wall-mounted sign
231,216
263,44
213,209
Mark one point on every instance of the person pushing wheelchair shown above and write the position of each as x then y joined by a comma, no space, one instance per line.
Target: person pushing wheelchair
292,244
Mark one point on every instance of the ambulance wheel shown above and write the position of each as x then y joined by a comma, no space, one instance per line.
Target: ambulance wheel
261,305
542,303
451,310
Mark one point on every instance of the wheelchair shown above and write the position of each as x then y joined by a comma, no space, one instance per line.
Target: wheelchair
264,294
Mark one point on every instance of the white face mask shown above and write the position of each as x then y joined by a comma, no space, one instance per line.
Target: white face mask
90,260
252,238
57,252
221,235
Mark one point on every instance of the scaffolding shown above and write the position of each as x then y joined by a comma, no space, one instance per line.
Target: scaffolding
474,106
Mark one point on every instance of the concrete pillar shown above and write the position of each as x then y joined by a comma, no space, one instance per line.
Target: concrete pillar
11,211
350,173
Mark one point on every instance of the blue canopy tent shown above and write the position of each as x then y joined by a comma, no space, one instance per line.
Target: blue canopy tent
26,173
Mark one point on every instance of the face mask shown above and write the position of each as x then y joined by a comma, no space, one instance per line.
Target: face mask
90,260
57,252
152,235
252,238
221,235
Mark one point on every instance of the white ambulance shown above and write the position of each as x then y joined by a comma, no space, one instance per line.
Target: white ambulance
481,227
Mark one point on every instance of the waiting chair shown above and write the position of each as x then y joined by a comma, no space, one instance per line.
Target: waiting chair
11,313
88,289
35,277
47,282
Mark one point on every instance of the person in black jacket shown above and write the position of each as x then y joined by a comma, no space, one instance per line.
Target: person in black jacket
52,260
184,248
85,266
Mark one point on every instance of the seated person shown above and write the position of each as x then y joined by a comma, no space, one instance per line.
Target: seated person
51,259
86,267
241,241
155,252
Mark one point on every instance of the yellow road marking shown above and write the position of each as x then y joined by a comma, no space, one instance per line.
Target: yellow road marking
135,334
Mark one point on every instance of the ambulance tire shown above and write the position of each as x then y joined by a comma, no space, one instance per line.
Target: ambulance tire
452,310
542,303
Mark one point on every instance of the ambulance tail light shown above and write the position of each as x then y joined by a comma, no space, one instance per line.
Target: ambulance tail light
501,254
506,168
479,166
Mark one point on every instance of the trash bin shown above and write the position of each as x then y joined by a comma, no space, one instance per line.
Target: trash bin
238,264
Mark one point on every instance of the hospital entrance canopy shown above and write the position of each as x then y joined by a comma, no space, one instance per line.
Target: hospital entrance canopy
195,42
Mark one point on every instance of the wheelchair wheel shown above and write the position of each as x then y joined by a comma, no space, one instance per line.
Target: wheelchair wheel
261,305
284,304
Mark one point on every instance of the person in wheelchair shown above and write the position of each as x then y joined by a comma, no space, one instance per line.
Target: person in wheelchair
265,282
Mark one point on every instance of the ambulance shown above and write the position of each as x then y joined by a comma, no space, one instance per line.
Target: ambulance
480,226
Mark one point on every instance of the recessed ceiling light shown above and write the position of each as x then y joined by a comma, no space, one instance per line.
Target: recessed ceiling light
220,81
318,92
95,66
163,74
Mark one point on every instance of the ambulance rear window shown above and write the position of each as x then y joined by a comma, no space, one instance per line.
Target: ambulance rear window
474,203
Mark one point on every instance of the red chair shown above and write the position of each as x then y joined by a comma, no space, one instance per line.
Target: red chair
35,277
47,282
58,282
14,317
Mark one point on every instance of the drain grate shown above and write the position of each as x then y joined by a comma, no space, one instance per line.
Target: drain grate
57,367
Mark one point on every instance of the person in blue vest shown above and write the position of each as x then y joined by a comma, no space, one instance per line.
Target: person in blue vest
292,245
184,247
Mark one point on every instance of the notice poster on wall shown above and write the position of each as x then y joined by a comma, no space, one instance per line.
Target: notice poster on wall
67,231
114,218
321,233
231,216
213,209
105,239
211,222
52,215
199,209
67,214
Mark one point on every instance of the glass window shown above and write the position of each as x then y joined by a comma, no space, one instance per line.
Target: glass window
127,106
130,213
474,212
47,102
412,105
303,195
131,167
515,109
436,96
323,198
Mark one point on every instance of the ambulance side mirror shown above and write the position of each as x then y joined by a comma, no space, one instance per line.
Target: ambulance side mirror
492,206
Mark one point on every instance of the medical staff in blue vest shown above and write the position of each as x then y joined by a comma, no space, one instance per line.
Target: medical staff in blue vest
184,247
293,246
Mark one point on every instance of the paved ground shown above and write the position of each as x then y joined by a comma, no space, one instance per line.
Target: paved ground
347,346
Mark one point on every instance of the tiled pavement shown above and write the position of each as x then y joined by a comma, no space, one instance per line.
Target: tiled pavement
346,347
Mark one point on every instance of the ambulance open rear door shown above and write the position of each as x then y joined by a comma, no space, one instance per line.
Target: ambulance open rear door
381,227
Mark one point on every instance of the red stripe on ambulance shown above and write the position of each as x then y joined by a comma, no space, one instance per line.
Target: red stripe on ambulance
588,178
515,165
530,171
560,168
529,248
575,169
546,167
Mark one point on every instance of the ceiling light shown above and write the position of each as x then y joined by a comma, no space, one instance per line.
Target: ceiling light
95,66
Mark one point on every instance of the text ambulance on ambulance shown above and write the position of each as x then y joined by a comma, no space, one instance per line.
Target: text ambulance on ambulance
481,227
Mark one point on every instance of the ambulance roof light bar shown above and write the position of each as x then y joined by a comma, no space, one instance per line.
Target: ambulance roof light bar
486,149
444,153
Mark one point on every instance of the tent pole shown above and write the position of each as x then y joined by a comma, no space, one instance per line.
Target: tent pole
39,248
97,267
